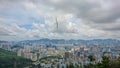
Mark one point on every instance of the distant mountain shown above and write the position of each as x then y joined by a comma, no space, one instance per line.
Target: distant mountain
72,41
3,41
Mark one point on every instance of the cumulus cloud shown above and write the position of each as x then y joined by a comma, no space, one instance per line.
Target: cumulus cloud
98,12
75,18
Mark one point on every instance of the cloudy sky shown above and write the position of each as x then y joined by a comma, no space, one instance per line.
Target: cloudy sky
76,19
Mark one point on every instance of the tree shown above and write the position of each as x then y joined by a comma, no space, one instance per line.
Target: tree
71,66
58,66
39,66
67,66
91,58
14,62
105,61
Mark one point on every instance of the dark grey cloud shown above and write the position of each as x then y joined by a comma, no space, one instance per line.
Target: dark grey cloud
113,29
99,12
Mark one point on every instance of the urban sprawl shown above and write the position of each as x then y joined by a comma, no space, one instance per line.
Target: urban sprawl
59,55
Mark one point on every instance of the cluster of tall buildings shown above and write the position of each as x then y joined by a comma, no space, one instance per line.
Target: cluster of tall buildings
62,54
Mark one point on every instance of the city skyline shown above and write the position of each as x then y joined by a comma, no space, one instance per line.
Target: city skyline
76,19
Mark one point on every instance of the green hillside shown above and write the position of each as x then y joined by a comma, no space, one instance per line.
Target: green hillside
11,60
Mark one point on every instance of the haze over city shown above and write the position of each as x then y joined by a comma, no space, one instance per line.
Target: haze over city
76,19
59,33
